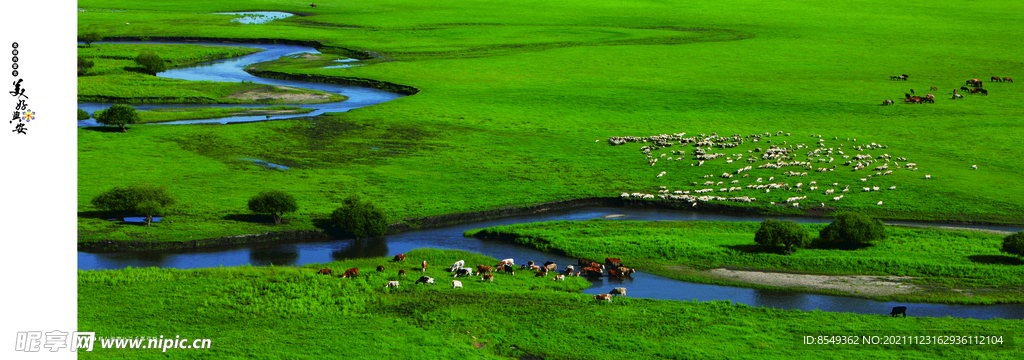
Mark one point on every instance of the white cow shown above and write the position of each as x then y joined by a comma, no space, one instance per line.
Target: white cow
456,284
392,284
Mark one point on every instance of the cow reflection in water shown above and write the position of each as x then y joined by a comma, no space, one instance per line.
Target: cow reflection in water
362,248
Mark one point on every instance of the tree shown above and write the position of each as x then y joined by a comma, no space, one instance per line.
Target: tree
119,115
91,37
852,230
773,233
140,199
151,62
359,218
1014,243
83,115
84,65
273,202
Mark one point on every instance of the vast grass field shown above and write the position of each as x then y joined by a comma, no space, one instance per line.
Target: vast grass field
514,94
287,312
953,266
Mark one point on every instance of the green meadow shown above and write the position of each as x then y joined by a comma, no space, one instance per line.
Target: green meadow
288,312
514,95
949,266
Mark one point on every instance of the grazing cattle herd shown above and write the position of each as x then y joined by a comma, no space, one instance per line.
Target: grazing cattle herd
613,267
976,87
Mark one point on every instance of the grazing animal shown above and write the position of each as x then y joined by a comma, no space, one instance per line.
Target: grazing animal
353,272
569,269
508,261
626,271
933,88
550,266
392,284
424,266
996,79
957,96
325,271
613,262
312,5
534,267
618,291
614,273
401,272
605,297
899,310
559,278
964,88
400,257
380,268
483,269
529,263
425,280
456,284
541,274
975,167
983,92
887,102
509,270
487,277
457,265
1006,79
463,272
912,91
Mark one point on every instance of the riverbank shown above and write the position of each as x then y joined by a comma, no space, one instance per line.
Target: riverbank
480,320
912,264
423,223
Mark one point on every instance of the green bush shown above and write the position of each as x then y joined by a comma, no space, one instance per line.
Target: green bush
359,218
773,233
273,202
91,37
151,62
119,115
145,200
852,230
83,115
1014,243
84,65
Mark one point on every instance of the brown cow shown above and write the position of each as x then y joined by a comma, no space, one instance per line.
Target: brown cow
600,297
400,257
424,265
534,267
312,5
487,277
613,262
483,269
380,268
934,88
1006,79
614,273
325,271
626,271
559,278
353,272
401,272
541,273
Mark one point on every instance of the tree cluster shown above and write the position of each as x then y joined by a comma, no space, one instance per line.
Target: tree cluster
359,218
274,203
773,233
151,62
852,230
118,115
141,199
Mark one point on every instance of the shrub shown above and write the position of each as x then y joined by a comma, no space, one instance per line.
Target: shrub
151,62
852,230
359,218
145,200
83,115
91,37
273,202
118,115
84,65
773,233
1014,243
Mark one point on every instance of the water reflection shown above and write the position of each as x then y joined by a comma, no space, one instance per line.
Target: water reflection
641,285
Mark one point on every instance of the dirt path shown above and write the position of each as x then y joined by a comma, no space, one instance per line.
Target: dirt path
290,97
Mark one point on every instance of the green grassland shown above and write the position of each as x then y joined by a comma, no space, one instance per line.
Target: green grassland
288,312
954,266
116,77
514,94
174,114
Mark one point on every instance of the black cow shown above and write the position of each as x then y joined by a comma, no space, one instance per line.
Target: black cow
899,310
425,280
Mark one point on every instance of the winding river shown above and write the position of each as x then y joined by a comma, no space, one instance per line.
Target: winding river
233,70
641,285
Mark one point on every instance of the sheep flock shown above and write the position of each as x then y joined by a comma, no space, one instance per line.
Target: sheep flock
775,166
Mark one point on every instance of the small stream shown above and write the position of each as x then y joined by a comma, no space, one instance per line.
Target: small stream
642,285
233,70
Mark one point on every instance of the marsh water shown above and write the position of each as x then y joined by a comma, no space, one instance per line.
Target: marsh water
641,285
233,70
